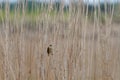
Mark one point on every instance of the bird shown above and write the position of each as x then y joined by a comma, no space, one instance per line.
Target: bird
50,50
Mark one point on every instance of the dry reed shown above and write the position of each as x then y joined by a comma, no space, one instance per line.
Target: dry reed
82,49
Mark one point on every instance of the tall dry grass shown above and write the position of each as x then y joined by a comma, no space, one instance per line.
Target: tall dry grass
82,49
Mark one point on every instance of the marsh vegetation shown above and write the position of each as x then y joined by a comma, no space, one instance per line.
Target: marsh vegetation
85,44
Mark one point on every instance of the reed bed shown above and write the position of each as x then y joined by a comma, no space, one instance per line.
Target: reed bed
86,45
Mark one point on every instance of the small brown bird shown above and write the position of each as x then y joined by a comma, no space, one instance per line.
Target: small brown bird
50,50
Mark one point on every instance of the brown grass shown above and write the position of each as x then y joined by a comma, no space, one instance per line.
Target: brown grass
82,50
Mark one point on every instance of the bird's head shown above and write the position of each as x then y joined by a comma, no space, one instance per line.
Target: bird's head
50,45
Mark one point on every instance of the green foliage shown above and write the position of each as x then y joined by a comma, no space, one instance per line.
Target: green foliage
111,11
33,9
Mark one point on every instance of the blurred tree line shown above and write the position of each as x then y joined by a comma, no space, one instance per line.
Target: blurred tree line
31,6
